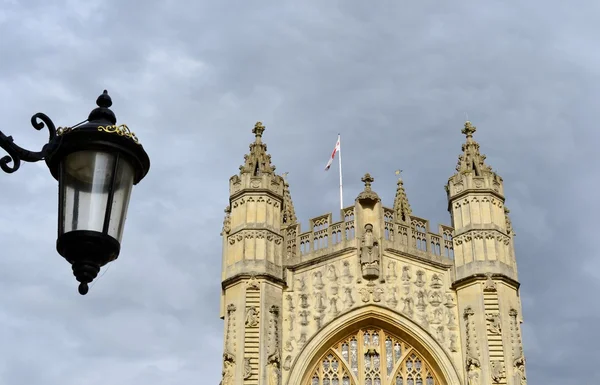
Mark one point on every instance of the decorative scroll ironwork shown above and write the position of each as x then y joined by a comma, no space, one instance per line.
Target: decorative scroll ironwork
121,130
17,154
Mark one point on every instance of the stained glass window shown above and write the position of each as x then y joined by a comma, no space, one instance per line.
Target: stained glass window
372,356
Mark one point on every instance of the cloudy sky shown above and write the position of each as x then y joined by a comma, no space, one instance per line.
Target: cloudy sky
192,77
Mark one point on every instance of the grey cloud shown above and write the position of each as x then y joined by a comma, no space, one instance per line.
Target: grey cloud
191,78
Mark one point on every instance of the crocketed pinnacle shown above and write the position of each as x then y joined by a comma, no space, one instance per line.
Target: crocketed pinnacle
288,213
368,193
401,205
471,160
257,162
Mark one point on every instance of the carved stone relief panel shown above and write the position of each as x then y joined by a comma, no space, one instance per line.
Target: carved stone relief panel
323,292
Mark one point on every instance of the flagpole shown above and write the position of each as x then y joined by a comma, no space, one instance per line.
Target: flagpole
340,164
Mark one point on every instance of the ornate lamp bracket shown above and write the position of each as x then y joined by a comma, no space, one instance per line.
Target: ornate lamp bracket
17,154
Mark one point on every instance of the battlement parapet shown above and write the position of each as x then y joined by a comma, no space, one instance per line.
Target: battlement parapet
324,236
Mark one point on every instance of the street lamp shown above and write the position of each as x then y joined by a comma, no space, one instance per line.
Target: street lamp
96,164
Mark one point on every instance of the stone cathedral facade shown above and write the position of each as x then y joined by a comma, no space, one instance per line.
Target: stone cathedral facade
377,298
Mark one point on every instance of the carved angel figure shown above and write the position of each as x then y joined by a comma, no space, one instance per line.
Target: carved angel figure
369,254
494,323
251,317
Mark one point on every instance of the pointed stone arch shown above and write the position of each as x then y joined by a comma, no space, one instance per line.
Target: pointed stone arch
373,317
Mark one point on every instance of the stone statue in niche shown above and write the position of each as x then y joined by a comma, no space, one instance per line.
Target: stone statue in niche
251,317
369,254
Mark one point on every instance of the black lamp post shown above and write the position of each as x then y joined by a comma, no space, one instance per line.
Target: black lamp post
96,164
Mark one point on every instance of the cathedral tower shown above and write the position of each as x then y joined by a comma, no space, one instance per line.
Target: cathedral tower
376,298
486,271
252,272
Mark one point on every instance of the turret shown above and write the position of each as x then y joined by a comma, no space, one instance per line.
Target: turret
252,271
482,231
485,270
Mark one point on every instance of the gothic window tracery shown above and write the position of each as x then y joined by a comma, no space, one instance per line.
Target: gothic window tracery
372,356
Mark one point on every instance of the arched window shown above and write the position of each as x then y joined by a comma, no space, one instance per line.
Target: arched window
372,356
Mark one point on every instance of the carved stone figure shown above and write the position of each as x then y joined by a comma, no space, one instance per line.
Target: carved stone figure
319,305
392,301
304,301
348,300
319,320
287,364
497,371
451,319
489,284
304,317
331,273
369,254
519,366
406,276
290,301
247,369
449,301
227,221
453,347
407,309
273,372
494,326
435,298
440,334
317,280
252,284
391,273
251,317
473,366
228,372
436,281
346,272
420,282
301,284
421,305
438,316
333,306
